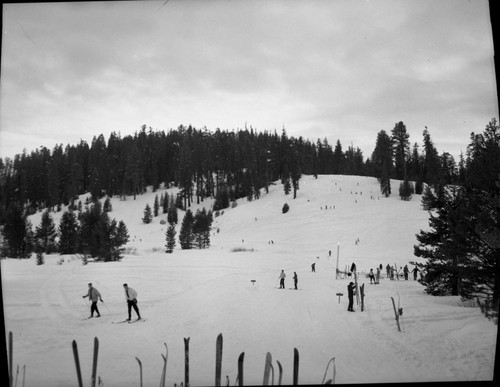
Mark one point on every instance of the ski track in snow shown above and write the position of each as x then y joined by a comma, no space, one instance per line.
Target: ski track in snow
199,294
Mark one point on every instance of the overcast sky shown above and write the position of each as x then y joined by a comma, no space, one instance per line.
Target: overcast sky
340,69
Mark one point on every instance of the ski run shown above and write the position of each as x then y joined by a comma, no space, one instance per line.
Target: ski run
190,297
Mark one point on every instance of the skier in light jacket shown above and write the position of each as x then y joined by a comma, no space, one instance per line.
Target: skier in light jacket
131,296
94,296
282,279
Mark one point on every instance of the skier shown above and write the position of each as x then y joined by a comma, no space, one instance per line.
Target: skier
131,296
371,275
388,270
295,279
415,271
282,279
378,276
93,295
350,294
313,267
392,272
406,271
353,267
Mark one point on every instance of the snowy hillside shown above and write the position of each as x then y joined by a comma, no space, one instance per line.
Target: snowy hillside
201,293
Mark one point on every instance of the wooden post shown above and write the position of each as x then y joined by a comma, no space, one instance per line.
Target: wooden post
340,295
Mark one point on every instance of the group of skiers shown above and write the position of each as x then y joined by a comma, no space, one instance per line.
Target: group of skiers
130,295
392,272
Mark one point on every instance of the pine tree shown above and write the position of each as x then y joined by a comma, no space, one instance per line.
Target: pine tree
156,206
164,202
382,161
148,217
17,233
107,205
170,238
406,190
46,233
172,216
40,260
68,233
186,236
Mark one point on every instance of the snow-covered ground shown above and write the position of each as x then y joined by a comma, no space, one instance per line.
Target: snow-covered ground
201,293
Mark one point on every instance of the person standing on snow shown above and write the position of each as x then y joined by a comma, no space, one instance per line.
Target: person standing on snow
350,295
282,279
406,271
295,279
131,296
313,267
371,275
378,276
94,296
415,271
388,270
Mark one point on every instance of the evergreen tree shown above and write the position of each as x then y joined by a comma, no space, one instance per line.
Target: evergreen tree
221,198
107,205
68,233
17,233
156,206
40,260
170,238
406,190
46,234
449,247
186,236
401,146
164,202
172,216
285,179
121,236
382,162
148,217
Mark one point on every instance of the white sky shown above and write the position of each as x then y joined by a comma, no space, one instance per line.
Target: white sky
340,69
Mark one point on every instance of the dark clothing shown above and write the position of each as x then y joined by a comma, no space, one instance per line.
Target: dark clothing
93,308
350,295
295,280
415,271
406,271
313,267
133,304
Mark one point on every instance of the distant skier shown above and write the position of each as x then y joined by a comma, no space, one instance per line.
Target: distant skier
350,295
93,295
282,279
353,267
371,275
313,267
392,272
415,271
406,271
378,276
131,296
388,270
295,279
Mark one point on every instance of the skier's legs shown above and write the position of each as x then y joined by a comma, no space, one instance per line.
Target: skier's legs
129,307
93,308
134,304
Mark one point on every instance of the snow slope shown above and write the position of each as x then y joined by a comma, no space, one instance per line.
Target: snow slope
201,293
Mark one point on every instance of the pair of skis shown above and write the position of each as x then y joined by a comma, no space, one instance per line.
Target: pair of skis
94,363
269,369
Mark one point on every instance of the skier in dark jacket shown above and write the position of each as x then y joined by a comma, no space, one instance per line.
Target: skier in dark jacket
295,279
406,271
350,295
415,271
94,296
